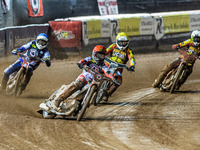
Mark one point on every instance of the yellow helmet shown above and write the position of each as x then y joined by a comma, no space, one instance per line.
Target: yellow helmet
122,41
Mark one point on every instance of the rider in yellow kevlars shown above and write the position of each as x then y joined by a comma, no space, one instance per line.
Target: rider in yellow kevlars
120,53
194,48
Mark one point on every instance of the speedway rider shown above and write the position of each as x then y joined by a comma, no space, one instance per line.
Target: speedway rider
95,62
120,53
194,44
35,48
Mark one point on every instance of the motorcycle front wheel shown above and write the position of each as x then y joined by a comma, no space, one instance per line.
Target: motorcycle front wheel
20,78
101,93
177,78
86,101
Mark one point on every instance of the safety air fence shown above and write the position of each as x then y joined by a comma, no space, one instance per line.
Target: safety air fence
82,33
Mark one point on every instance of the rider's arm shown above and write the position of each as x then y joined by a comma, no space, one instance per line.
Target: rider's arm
182,44
85,61
24,47
131,57
110,49
46,59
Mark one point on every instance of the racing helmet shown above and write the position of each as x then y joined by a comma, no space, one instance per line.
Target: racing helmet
195,36
42,41
122,41
98,54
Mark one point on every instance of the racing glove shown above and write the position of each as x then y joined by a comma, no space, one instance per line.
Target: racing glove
14,52
45,58
176,46
131,68
80,65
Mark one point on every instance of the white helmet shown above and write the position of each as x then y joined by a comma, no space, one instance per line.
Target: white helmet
195,36
42,41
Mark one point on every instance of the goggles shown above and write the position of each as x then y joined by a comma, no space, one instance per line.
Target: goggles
42,42
100,55
122,43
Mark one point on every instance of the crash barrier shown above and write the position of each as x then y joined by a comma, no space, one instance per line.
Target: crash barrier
143,29
82,33
15,37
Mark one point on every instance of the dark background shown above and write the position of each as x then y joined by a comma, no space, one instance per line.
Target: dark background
54,9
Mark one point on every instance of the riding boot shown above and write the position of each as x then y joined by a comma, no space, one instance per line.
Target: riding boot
73,87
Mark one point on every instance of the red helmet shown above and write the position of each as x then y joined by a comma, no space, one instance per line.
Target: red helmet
98,54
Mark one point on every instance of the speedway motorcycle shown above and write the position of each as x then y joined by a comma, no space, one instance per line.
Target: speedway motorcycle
16,82
78,102
171,81
107,84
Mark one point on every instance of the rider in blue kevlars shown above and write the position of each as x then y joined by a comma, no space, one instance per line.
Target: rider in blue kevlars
35,48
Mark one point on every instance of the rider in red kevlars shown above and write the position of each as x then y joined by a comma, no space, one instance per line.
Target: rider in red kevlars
194,44
95,62
35,48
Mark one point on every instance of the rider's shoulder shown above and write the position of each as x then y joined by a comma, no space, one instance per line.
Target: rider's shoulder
129,49
112,45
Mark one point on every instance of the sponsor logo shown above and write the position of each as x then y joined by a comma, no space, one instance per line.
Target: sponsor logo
33,53
33,45
35,5
65,35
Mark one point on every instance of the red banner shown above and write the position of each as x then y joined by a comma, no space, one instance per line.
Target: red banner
65,33
35,8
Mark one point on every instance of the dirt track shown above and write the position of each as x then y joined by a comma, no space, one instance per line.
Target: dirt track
137,117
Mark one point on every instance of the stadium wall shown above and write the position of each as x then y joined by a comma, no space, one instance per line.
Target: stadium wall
76,35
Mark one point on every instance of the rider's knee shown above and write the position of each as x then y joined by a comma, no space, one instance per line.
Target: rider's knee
78,84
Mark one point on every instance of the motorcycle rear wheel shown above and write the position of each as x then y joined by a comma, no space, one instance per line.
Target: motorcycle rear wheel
177,78
86,101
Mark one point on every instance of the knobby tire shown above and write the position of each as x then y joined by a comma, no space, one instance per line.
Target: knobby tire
21,75
86,101
100,94
178,74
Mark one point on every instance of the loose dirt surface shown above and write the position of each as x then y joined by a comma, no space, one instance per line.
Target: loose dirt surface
136,117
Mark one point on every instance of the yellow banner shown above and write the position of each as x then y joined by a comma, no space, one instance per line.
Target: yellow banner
131,26
176,23
94,29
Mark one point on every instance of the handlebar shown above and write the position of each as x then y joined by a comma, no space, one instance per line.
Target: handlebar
28,58
98,76
114,64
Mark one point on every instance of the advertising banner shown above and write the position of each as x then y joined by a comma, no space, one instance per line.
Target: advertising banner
194,22
158,27
176,23
131,26
65,34
35,8
105,28
146,26
94,29
108,7
114,29
85,33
